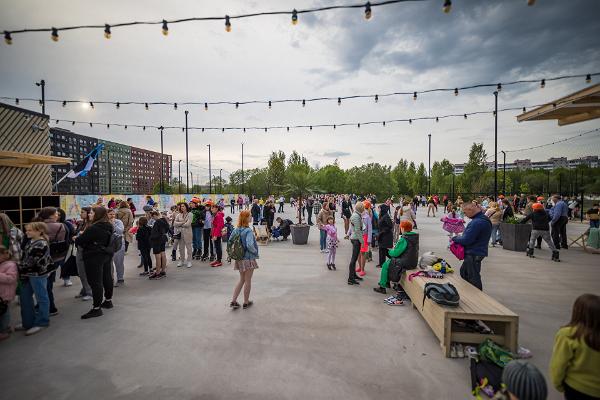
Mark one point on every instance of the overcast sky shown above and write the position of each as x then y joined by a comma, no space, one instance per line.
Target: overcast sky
404,47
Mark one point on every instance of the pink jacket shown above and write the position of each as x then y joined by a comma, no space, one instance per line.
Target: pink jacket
8,280
217,225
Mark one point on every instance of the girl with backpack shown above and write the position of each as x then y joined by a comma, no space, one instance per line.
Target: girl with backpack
246,264
97,259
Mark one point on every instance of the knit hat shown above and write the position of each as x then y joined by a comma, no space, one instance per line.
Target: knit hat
524,380
537,206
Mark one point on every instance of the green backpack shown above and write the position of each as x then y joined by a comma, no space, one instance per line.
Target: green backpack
235,248
492,352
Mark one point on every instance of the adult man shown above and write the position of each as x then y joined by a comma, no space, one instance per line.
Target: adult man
559,214
281,201
255,211
309,209
475,240
284,227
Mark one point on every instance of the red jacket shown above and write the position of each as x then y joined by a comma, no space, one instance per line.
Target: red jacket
218,224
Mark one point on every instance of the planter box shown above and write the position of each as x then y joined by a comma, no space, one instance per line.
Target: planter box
515,236
300,233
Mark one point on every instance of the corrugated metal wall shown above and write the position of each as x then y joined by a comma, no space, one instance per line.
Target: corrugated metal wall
17,133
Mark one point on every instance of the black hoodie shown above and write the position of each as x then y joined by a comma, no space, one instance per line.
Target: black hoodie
94,237
540,220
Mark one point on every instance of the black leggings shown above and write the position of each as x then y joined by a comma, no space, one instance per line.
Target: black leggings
207,242
100,279
572,394
355,253
218,248
383,253
146,259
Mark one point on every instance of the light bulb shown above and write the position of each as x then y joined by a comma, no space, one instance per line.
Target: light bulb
368,12
7,38
64,103
265,129
144,128
447,6
107,126
41,102
465,116
303,103
91,105
146,106
118,105
222,129
107,32
339,101
72,122
543,84
54,34
311,127
56,122
205,106
288,128
334,127
588,78
244,130
91,124
383,123
125,127
165,28
182,129
227,24
175,106
294,17
437,119
376,98
358,125
202,129
269,104
499,87
410,121
237,104
415,96
16,101
456,91
524,110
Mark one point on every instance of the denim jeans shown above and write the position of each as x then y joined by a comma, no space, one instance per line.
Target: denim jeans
35,285
50,288
470,270
197,238
495,233
118,261
323,239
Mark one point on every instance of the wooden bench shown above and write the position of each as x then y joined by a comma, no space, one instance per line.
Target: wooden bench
474,305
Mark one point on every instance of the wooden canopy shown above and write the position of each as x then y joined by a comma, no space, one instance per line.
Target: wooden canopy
28,160
580,106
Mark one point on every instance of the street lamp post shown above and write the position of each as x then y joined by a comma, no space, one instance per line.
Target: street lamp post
109,172
429,175
209,172
42,84
242,168
496,145
162,161
504,173
220,181
192,177
187,166
179,176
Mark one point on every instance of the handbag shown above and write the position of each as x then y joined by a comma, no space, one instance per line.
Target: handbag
69,268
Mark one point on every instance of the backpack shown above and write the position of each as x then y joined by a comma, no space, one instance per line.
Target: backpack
235,247
59,248
114,244
444,294
494,353
484,373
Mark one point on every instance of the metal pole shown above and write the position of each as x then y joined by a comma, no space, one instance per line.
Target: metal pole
220,181
187,166
429,177
496,145
560,183
504,173
192,175
162,162
453,186
242,167
109,172
581,206
179,176
42,84
548,183
209,172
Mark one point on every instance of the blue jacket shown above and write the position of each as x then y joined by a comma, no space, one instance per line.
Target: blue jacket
248,242
560,209
476,236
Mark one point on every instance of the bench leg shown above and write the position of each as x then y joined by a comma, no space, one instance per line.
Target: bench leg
511,336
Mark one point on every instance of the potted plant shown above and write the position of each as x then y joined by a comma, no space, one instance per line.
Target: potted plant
300,185
515,235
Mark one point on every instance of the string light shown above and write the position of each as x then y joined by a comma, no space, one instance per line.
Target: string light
499,87
333,126
91,105
437,119
165,28
222,129
303,103
456,91
205,106
543,84
237,105
107,32
415,96
358,125
54,34
144,128
339,101
368,11
376,98
16,101
64,104
227,24
588,78
91,124
447,6
465,116
73,123
244,130
410,121
311,127
265,129
524,110
7,38
146,106
269,104
125,127
294,17
383,123
175,106
288,129
118,105
107,126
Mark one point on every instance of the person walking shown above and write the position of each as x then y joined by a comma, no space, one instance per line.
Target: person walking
97,258
125,215
118,258
324,214
183,229
247,264
216,234
232,205
34,269
475,240
356,237
559,222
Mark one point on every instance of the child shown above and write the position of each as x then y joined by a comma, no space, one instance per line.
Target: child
576,353
229,227
522,381
144,246
540,221
34,271
453,224
216,233
8,288
332,242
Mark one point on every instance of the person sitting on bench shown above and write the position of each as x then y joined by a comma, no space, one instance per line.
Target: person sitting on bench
405,256
284,227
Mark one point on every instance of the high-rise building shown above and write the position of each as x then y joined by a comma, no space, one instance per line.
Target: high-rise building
146,169
64,143
115,168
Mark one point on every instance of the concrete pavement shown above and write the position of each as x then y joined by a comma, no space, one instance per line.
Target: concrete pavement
309,335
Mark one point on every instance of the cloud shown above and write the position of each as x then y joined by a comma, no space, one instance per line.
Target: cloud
376,143
335,154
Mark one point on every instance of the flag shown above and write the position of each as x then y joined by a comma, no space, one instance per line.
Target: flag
84,165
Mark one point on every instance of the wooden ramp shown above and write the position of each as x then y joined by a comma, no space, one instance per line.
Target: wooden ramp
474,305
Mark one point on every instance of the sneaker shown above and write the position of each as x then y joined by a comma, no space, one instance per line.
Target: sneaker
471,352
212,264
161,275
107,304
217,264
53,312
189,264
179,263
67,283
144,273
33,330
453,351
86,298
361,273
93,313
153,275
460,352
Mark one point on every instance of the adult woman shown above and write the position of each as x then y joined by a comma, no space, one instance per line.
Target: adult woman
11,237
346,212
322,217
183,230
355,234
495,215
247,264
62,218
131,206
385,238
431,206
118,259
367,225
507,211
126,216
86,291
97,260
407,214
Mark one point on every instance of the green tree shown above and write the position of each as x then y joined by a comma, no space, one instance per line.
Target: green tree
475,169
168,189
331,178
419,182
401,179
275,171
300,183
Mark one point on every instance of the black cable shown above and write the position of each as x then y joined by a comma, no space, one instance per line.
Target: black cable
553,143
303,101
288,127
